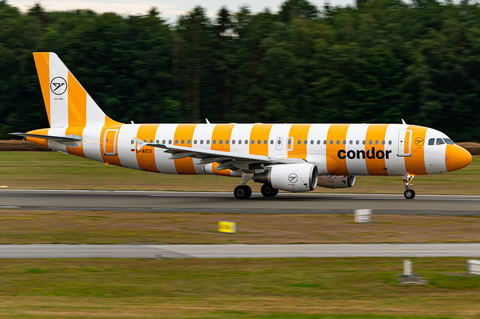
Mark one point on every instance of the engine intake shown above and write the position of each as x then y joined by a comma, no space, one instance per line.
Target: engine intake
336,181
290,177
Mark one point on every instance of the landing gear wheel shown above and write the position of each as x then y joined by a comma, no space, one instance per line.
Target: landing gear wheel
242,192
269,191
409,194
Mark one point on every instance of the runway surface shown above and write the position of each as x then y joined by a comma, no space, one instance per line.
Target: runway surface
239,251
284,203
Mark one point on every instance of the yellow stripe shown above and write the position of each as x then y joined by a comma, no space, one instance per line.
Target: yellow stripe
299,132
223,133
415,163
77,103
376,133
184,132
42,61
337,134
39,141
146,156
260,133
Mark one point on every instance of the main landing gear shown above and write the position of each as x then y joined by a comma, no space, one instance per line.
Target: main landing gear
409,193
242,192
269,191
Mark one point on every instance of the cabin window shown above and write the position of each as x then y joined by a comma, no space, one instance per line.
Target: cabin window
344,142
376,142
279,142
253,142
305,142
151,141
357,142
233,141
318,142
195,142
338,142
390,142
351,142
220,142
214,141
176,141
325,142
246,142
331,142
169,141
271,142
189,142
259,142
311,142
183,142
265,142
201,142
370,142
239,141
363,142
299,142
163,142
208,141
383,142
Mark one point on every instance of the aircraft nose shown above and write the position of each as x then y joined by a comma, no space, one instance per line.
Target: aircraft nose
456,157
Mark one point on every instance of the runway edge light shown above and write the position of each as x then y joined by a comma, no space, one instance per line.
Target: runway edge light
227,227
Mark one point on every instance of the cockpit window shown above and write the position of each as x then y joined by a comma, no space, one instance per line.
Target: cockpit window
431,141
448,141
440,141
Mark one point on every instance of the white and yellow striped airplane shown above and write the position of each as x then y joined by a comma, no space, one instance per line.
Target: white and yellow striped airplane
289,157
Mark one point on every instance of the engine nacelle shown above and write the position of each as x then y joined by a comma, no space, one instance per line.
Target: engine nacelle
335,181
290,177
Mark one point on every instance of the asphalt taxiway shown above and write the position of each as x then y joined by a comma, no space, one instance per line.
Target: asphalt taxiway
239,251
284,203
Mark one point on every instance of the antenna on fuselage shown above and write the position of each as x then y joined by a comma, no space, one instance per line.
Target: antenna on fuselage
403,122
208,122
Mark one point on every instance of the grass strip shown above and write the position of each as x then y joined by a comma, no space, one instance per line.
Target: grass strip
87,227
235,288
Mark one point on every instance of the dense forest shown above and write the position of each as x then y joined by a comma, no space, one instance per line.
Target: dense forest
380,61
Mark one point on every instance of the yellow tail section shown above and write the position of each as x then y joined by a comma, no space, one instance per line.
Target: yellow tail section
66,101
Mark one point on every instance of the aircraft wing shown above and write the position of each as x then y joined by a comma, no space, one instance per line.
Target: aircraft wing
226,160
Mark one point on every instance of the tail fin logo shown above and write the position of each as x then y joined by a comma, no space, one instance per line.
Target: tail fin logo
58,85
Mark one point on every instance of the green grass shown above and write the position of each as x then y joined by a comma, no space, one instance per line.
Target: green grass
53,170
85,227
235,288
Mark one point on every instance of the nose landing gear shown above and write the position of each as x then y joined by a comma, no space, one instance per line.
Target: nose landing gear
409,193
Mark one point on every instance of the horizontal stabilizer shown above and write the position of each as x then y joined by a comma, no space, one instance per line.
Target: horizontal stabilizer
60,139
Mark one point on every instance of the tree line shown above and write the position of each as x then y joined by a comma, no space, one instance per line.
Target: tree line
378,62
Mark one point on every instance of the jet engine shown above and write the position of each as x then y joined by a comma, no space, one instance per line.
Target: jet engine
335,181
290,177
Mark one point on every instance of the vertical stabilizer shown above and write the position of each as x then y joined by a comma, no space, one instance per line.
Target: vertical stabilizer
66,101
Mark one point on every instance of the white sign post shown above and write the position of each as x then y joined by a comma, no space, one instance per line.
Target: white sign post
473,267
363,215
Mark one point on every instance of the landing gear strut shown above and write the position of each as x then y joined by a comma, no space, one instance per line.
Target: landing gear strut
242,192
409,193
269,191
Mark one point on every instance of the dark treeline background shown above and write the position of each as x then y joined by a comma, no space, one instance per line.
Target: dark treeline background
378,62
